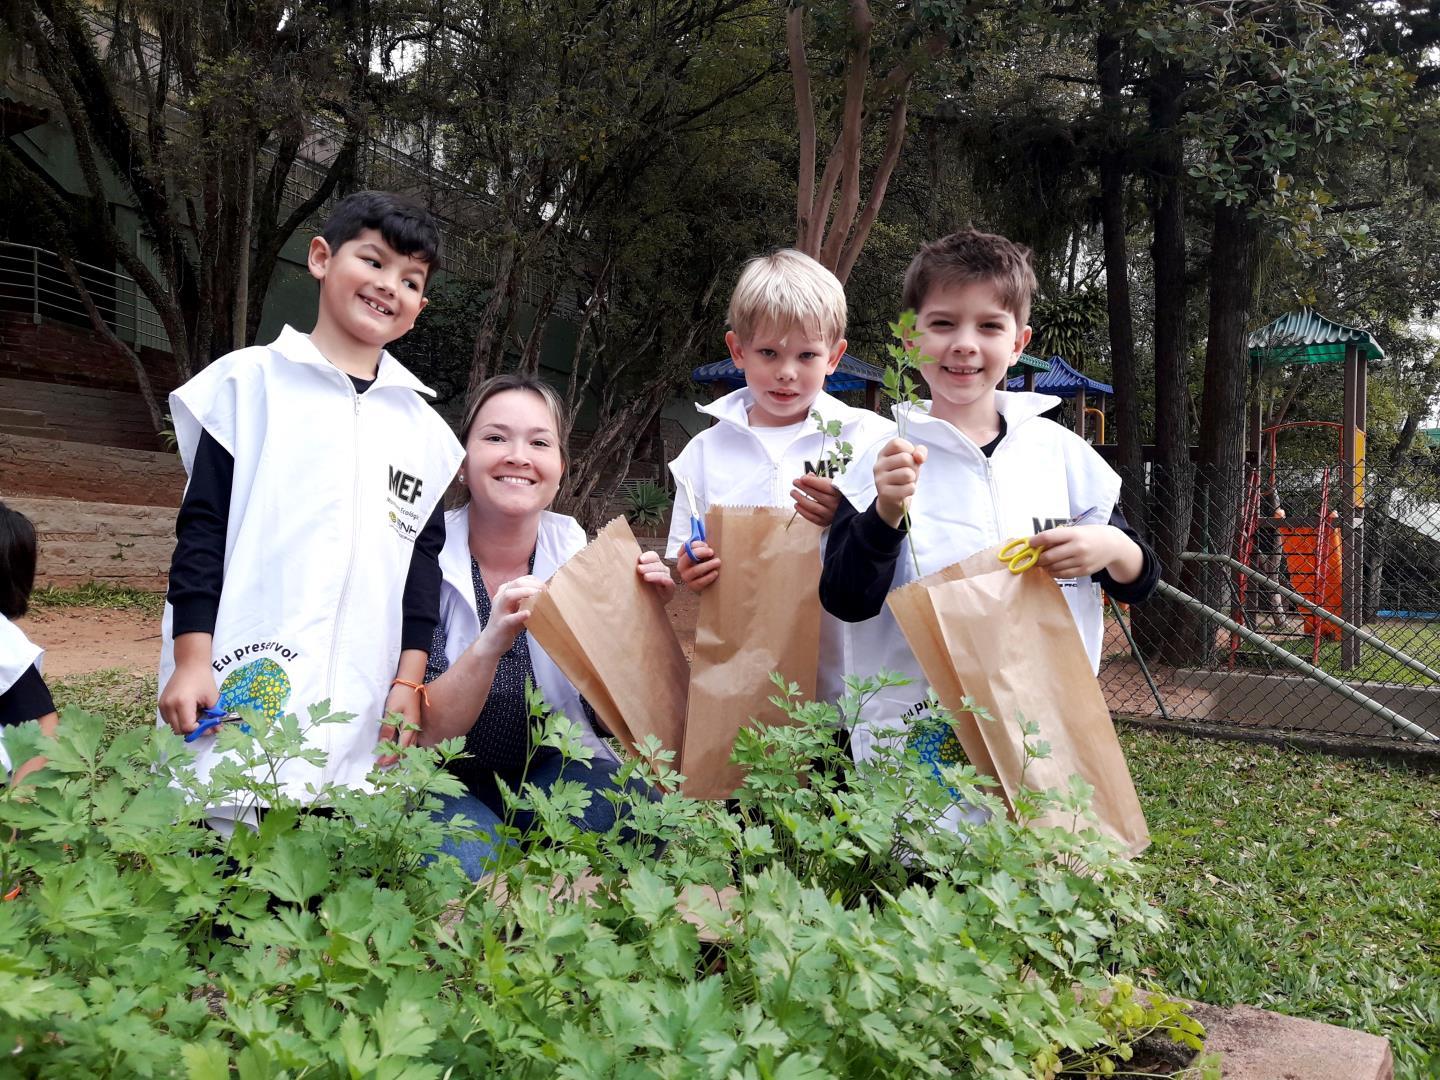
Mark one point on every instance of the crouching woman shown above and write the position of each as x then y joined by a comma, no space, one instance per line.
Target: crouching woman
500,548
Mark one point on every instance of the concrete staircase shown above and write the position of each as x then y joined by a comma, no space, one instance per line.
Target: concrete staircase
99,416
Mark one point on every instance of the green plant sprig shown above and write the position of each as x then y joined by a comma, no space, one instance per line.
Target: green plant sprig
831,462
900,386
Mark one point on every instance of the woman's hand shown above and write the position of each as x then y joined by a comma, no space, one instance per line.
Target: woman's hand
506,617
654,572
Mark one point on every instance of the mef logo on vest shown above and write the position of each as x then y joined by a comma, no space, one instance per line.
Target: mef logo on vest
403,485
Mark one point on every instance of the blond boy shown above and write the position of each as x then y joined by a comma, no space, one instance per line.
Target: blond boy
787,334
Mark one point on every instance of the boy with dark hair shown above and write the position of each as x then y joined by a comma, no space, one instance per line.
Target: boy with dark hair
306,563
994,469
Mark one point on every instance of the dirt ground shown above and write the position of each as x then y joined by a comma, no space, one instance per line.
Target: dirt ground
79,640
84,639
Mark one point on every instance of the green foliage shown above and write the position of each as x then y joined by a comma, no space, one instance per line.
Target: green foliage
900,385
1281,92
833,462
1072,326
647,504
439,348
858,940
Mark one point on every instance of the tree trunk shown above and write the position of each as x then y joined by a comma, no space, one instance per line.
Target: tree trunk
1109,67
1170,488
240,317
495,320
1235,244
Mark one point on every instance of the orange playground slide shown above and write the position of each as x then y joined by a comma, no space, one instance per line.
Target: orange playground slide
1301,544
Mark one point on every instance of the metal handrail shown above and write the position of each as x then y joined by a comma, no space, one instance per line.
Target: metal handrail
33,276
1285,656
1329,616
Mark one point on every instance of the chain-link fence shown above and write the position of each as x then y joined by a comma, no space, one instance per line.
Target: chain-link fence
1296,598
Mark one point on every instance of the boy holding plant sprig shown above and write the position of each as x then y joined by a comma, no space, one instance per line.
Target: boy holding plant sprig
994,469
768,445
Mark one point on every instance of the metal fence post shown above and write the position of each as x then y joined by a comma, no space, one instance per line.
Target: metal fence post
35,284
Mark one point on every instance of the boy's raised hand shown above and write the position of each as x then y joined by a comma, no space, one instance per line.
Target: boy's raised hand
700,573
1072,551
192,686
897,471
654,572
816,498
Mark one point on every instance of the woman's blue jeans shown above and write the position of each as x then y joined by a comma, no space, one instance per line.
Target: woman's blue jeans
476,850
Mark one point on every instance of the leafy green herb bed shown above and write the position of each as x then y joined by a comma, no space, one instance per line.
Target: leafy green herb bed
1294,881
856,940
1299,882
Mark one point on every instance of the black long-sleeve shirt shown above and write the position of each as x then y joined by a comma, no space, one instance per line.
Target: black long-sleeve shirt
197,569
862,550
27,699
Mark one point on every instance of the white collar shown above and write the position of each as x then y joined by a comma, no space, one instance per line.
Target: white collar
1015,406
734,408
298,348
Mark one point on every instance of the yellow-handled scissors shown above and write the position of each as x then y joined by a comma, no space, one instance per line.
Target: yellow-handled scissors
1020,555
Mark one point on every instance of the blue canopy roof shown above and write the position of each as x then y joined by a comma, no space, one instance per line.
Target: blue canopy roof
1061,380
851,374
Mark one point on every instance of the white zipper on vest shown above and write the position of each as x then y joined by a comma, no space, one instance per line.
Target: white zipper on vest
994,499
354,531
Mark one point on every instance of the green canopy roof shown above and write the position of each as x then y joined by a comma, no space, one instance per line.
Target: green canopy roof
1027,363
1307,337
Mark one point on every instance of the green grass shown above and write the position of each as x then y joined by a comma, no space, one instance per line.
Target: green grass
125,700
1416,639
1298,882
98,594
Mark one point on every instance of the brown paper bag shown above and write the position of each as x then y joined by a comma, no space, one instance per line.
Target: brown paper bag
1010,643
608,632
761,615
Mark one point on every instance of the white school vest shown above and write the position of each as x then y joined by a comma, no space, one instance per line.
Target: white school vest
728,465
331,490
18,654
559,538
1041,475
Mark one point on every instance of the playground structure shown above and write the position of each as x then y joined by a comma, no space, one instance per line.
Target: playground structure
1322,556
1057,378
1279,554
1308,552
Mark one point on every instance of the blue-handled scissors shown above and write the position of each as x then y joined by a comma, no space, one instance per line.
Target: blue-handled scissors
697,523
1022,556
212,718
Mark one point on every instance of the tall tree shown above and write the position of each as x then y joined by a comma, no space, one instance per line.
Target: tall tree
183,103
548,110
1285,88
835,233
1111,74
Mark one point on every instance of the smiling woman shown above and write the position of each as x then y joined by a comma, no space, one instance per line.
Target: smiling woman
500,546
